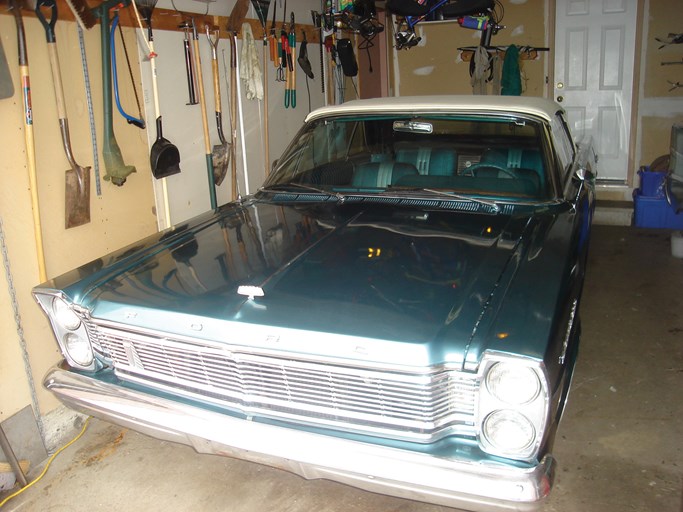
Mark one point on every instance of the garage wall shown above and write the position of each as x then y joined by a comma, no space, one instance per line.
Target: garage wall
188,191
119,216
435,65
661,104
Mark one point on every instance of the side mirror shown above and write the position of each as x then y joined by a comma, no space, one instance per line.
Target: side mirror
584,174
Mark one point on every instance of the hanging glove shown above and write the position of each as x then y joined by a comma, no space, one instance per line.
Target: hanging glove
304,63
250,67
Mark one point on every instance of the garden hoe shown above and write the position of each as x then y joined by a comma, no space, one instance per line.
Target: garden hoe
77,190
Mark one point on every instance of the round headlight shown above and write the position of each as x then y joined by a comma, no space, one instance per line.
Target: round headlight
78,348
508,432
64,315
513,383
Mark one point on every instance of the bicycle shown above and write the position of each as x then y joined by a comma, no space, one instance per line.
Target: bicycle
484,15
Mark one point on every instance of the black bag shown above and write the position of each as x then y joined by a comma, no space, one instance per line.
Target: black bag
346,57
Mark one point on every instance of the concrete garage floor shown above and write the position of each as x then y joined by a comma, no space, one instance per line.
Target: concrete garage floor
620,447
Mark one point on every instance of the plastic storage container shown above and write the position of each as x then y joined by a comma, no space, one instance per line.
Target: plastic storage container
651,182
677,244
655,212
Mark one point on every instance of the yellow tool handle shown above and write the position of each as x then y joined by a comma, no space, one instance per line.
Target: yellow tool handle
200,81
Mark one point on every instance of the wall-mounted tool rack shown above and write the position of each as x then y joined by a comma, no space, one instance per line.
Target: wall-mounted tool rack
169,19
525,52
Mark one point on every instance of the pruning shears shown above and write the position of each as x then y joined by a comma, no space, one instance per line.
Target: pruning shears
290,87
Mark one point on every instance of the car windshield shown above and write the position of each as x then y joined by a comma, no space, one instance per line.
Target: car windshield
497,156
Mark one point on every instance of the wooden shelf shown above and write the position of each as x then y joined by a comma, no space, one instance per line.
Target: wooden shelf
169,19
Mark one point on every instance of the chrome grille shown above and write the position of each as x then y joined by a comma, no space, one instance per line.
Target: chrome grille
421,406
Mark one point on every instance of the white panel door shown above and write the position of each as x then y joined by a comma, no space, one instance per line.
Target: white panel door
595,49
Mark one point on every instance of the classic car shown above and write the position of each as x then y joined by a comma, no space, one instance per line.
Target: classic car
396,308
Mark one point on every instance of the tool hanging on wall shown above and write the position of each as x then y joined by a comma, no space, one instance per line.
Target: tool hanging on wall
272,40
139,122
305,65
235,21
77,179
164,158
28,136
220,153
290,87
205,121
261,7
189,66
91,111
302,59
318,22
85,20
282,51
117,170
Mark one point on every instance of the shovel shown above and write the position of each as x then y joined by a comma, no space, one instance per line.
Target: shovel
77,200
205,122
220,154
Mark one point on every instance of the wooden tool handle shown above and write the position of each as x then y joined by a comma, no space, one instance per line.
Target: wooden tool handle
202,102
216,85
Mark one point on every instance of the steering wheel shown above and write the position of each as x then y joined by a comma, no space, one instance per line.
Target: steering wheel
474,169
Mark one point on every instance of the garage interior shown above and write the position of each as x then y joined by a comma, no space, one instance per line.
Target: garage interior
619,445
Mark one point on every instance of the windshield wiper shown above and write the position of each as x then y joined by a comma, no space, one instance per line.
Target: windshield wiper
287,187
451,195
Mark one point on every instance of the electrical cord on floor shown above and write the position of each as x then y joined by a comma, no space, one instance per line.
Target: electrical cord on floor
49,461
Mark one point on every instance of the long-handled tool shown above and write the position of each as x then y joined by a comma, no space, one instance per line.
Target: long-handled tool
205,121
28,137
77,190
117,170
261,7
136,121
189,66
164,158
237,15
290,87
220,154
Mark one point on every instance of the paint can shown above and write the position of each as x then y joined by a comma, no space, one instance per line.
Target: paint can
677,244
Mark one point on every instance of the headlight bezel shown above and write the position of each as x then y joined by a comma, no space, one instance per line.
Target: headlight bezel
496,402
67,321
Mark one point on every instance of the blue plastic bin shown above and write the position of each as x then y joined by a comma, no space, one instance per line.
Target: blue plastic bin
655,212
651,182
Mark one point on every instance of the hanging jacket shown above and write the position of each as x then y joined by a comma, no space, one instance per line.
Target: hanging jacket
511,79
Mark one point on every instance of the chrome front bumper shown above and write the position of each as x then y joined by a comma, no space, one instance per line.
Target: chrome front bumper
396,472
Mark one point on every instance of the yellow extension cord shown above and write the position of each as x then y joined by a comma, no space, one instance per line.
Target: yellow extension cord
85,426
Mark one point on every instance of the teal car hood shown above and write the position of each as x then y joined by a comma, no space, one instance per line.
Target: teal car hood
405,275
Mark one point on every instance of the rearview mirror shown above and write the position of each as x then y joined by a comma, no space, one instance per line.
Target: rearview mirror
413,127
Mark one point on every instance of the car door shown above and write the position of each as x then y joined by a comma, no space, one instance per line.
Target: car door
578,180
